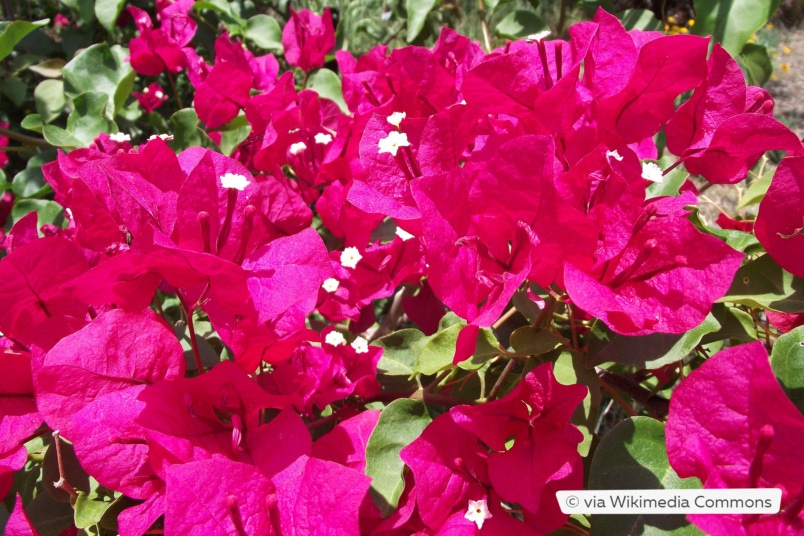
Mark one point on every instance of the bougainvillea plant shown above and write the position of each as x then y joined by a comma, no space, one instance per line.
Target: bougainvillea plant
398,292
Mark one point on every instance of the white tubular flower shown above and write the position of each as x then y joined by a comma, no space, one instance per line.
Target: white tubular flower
360,345
331,284
615,155
652,172
119,137
393,142
538,36
323,139
403,234
350,257
163,137
335,338
234,180
296,148
478,512
396,118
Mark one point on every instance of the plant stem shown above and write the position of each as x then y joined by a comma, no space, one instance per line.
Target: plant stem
189,313
62,483
22,138
481,8
175,91
504,374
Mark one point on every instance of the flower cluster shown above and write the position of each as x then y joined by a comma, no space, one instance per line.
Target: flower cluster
457,178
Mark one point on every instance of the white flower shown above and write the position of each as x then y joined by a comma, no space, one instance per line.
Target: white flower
396,118
393,142
538,36
360,345
615,155
350,257
234,180
335,338
163,137
403,234
652,172
478,512
159,95
296,148
323,139
331,284
119,137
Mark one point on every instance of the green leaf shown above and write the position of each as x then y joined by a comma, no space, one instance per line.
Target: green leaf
417,15
763,283
30,182
58,137
87,120
49,99
84,9
50,68
32,122
671,182
401,422
492,5
756,190
633,456
735,324
12,33
104,69
739,240
640,19
486,348
107,12
231,20
89,509
732,22
528,340
401,351
439,351
209,357
48,515
756,63
569,369
645,351
15,89
265,32
187,132
519,24
327,84
787,361
48,212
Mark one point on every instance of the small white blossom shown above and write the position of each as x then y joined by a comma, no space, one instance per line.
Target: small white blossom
350,257
146,90
403,234
234,180
294,130
652,172
159,95
335,338
478,512
615,155
296,148
538,36
393,142
119,137
396,118
331,284
163,137
323,139
360,345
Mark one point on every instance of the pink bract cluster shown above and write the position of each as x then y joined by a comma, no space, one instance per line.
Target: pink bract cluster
529,164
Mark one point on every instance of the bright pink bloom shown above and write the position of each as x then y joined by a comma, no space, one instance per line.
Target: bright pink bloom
740,433
780,221
151,98
307,38
153,51
19,524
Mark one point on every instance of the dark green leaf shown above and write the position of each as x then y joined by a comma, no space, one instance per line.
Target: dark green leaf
528,340
787,361
401,351
84,9
107,12
234,133
400,423
633,456
48,515
264,31
15,89
47,211
439,351
735,324
417,15
12,33
520,24
50,68
187,131
569,369
763,283
757,64
645,351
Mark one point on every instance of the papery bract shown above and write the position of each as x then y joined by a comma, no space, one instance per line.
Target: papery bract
307,38
19,524
780,221
742,433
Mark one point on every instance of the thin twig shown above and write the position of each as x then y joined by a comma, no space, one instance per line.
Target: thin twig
504,374
62,483
481,8
22,138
